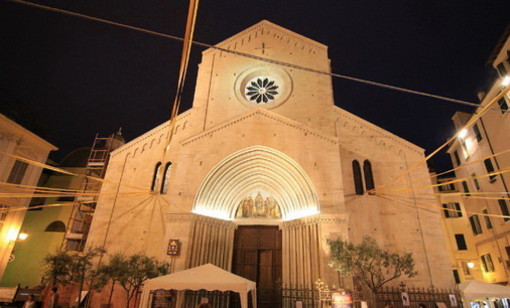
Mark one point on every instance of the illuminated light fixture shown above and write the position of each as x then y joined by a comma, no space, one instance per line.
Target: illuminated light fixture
506,81
463,133
469,143
22,236
12,235
471,264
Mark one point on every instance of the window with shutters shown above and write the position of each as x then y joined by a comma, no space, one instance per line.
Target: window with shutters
490,169
66,198
465,269
17,172
504,209
3,215
466,188
475,224
452,210
487,264
475,181
464,147
456,276
358,181
503,105
501,69
461,242
478,135
488,222
457,157
447,187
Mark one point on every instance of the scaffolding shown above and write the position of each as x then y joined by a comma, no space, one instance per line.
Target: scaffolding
85,203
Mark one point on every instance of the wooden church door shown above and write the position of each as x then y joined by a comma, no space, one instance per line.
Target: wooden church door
258,257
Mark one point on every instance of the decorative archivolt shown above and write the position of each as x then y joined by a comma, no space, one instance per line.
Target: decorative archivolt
251,169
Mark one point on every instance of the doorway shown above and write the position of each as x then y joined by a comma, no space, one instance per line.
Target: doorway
258,257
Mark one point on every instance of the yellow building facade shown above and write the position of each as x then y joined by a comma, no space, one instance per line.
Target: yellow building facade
481,155
15,140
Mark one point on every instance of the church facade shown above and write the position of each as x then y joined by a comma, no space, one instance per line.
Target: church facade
263,169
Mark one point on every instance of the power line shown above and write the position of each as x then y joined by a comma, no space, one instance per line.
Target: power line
471,121
277,62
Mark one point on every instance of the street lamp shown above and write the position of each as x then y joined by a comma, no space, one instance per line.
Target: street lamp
13,235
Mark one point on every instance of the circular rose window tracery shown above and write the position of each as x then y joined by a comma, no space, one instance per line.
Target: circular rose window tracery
264,86
261,90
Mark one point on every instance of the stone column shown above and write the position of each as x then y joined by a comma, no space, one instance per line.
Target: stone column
304,248
211,241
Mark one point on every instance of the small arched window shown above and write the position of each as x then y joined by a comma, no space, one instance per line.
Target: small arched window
155,177
166,176
369,177
56,226
358,182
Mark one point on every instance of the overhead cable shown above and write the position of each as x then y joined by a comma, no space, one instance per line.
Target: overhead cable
277,62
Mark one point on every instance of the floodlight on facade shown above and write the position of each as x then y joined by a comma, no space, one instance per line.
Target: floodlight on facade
22,236
463,133
506,81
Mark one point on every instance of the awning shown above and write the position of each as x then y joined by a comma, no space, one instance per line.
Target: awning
206,277
477,290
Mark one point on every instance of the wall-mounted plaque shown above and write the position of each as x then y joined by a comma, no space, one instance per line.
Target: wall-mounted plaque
174,248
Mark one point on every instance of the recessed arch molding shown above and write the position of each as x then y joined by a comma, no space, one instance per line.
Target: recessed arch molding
256,168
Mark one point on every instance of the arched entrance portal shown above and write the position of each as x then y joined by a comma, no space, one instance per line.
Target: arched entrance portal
255,169
259,189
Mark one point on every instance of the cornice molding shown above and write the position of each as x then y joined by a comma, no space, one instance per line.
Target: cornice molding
194,218
263,113
319,219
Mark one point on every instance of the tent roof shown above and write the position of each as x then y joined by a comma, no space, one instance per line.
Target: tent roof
473,290
208,277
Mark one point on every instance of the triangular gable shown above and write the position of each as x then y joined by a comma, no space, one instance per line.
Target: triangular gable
266,27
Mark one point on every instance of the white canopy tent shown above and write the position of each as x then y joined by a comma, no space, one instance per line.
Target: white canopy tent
478,291
207,277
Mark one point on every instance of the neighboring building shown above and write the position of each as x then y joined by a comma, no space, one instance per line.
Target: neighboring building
461,240
262,170
18,141
46,226
66,227
476,153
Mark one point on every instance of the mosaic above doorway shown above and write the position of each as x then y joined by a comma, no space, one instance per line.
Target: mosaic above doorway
259,204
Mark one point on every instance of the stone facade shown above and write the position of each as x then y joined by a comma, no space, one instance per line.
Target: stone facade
298,147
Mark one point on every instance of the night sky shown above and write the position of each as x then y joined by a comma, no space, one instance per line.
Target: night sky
76,78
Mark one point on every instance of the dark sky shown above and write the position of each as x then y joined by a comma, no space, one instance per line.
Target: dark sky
81,77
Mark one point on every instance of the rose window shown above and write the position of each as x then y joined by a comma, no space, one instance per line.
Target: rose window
261,90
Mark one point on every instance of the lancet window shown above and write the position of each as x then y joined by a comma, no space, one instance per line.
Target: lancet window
155,177
166,176
358,182
369,177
